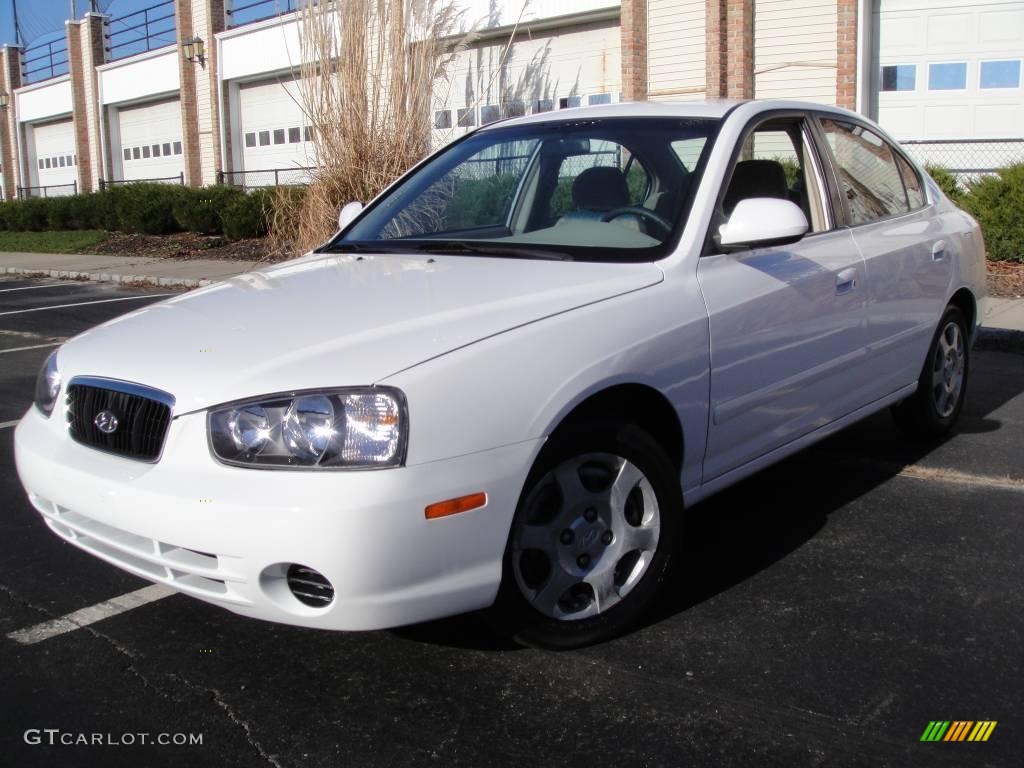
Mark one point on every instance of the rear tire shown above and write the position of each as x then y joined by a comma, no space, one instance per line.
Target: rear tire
592,539
934,408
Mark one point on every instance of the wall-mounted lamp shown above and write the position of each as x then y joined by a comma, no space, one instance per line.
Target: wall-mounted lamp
4,100
194,50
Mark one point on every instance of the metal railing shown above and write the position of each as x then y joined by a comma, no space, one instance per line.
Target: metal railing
269,177
179,179
142,30
46,60
258,10
966,159
49,190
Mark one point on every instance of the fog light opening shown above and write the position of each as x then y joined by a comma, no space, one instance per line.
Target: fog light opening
310,587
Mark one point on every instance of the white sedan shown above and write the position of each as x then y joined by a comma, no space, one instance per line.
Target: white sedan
505,380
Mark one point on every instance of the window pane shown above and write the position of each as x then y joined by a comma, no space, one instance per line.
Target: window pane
899,77
947,77
294,135
443,118
1000,74
60,161
688,151
489,114
167,148
279,136
177,147
307,133
599,98
467,117
135,153
912,182
145,151
47,162
513,109
264,138
69,160
867,171
156,150
250,139
41,164
127,153
543,105
568,102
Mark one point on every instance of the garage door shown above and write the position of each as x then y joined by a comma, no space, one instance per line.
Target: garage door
950,70
53,159
150,138
275,133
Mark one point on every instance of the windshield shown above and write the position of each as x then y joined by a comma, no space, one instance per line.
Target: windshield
614,189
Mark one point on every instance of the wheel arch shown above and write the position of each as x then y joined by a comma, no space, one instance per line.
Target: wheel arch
964,300
638,403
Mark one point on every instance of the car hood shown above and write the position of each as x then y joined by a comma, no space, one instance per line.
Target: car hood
333,320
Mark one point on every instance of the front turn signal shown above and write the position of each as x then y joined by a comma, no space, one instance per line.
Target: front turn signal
454,506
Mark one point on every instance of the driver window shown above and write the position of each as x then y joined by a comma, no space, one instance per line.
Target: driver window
774,162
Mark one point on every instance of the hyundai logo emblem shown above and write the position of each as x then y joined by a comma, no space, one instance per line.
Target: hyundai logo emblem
106,422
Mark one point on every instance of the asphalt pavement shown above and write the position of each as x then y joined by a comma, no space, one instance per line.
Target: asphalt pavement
827,611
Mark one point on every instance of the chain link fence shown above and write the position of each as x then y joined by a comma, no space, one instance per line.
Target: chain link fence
268,177
967,159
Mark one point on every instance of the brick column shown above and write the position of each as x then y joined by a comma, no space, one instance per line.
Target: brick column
740,46
715,48
10,79
86,51
846,60
199,106
633,28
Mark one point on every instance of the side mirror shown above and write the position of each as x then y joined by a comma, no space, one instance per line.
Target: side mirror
348,213
762,221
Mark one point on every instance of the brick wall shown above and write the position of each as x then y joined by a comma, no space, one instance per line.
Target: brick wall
846,59
716,55
633,28
729,39
10,79
189,115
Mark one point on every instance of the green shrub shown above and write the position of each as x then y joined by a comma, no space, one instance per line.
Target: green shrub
947,182
202,210
58,213
997,202
30,215
86,211
247,215
144,208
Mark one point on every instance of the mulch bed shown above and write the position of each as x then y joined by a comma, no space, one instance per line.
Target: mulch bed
1006,279
186,246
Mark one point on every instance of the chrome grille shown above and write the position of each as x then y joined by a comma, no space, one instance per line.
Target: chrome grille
142,415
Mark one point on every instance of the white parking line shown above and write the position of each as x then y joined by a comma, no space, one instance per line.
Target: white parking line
34,346
84,303
36,287
91,615
6,424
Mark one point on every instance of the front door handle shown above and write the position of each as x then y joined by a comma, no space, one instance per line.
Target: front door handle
939,251
846,281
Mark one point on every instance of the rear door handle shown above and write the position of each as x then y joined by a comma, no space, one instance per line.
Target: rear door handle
846,280
939,251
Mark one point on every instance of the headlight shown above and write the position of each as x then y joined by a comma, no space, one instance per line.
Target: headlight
48,385
329,429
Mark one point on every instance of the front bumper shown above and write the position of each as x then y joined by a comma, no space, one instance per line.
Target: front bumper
227,534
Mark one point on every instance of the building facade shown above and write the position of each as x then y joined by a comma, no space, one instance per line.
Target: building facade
195,93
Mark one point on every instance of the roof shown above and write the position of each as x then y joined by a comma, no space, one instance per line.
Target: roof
714,109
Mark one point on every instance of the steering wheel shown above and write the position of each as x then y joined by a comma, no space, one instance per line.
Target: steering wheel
643,213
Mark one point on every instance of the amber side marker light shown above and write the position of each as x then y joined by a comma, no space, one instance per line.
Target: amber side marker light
454,506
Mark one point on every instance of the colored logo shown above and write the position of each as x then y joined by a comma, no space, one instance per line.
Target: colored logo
958,730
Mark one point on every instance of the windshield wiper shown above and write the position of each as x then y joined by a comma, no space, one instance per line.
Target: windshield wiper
479,248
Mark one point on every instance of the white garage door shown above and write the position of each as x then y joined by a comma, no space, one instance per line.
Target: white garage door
53,159
275,133
950,69
151,141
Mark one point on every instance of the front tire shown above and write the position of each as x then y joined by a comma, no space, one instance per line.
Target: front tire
934,408
592,538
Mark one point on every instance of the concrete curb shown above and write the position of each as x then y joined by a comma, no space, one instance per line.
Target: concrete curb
106,277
